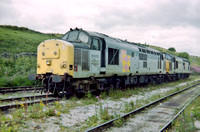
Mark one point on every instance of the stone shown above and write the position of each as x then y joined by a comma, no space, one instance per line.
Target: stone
197,124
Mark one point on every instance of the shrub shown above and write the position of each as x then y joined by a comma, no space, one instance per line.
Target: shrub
172,49
14,72
184,55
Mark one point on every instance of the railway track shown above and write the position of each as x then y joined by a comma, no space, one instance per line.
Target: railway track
4,90
169,124
146,119
27,100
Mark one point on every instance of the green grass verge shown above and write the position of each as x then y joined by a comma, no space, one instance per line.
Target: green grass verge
185,122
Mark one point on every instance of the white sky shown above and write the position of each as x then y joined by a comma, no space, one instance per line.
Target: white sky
164,23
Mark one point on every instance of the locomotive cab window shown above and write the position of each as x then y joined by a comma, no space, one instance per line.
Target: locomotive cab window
95,44
83,37
73,36
76,36
65,36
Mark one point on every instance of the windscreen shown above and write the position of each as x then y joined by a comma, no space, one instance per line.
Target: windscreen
76,36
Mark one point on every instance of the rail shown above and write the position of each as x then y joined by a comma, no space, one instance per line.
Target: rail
110,123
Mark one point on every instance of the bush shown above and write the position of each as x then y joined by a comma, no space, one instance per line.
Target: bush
5,82
184,55
172,49
14,72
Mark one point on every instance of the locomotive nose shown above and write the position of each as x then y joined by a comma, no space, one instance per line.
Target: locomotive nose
56,57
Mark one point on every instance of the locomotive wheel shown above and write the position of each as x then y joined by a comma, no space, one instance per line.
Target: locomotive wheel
96,92
123,84
80,91
69,92
58,93
109,88
80,94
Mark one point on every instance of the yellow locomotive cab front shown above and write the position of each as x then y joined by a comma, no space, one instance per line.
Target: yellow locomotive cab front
55,57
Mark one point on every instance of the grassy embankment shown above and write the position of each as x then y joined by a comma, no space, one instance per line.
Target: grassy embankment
15,40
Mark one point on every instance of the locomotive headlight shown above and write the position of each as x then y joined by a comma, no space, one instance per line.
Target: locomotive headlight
48,62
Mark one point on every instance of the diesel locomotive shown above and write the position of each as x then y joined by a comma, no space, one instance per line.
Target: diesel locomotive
83,61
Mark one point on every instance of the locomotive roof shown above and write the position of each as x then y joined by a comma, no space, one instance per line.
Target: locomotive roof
135,45
117,43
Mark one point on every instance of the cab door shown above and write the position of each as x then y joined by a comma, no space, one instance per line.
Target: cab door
103,56
95,57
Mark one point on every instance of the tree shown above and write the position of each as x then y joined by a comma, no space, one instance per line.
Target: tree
184,55
172,49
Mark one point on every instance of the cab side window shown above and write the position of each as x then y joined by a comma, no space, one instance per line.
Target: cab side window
95,44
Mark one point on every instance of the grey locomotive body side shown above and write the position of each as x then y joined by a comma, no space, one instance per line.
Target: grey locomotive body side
120,58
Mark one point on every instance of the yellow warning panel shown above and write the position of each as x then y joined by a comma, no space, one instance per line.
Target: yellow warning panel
126,63
56,57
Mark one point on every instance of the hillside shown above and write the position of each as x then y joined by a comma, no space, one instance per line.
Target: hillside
14,69
16,40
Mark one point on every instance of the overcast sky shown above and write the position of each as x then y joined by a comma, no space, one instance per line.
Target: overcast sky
164,23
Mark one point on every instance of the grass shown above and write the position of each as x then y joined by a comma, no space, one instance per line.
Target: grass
195,60
40,113
102,115
185,122
130,106
117,94
18,118
14,72
15,39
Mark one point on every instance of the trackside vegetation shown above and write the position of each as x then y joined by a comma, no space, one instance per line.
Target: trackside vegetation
20,119
14,40
15,71
189,120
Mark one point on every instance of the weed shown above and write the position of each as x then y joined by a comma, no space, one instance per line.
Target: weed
92,121
104,114
16,71
119,122
50,112
89,95
58,105
128,107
